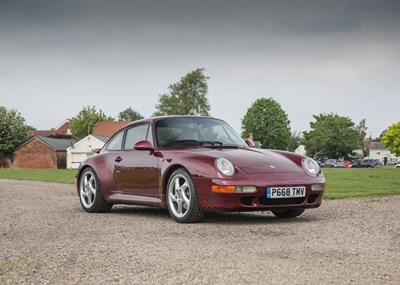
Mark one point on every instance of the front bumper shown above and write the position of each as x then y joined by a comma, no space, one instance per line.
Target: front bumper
258,201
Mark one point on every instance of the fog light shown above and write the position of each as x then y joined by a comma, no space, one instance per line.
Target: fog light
246,189
318,187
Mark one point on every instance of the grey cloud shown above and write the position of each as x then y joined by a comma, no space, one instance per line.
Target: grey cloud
88,49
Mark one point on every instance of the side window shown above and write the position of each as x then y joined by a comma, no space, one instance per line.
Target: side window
116,142
134,135
150,135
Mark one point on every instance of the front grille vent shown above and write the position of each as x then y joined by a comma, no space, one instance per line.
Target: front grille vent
283,201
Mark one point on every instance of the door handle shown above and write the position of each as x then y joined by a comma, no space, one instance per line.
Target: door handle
118,159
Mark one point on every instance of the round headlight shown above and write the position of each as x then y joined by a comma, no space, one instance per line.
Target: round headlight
225,166
310,165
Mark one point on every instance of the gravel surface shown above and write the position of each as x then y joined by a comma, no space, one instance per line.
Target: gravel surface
46,238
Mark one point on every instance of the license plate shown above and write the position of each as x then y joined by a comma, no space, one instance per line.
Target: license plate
286,192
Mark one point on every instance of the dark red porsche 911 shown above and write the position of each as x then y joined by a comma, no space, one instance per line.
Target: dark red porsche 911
193,165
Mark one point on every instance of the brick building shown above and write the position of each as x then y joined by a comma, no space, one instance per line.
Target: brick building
42,152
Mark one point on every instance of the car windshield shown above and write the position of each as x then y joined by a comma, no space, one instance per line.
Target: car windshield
192,131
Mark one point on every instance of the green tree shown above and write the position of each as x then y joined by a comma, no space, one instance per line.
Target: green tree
82,125
129,115
295,140
13,130
362,129
268,123
186,97
391,138
332,136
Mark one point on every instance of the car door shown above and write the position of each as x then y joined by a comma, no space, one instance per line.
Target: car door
136,171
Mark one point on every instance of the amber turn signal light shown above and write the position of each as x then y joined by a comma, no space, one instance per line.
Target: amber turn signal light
223,189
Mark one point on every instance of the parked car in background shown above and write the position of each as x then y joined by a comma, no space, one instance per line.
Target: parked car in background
367,163
397,165
348,164
318,160
330,163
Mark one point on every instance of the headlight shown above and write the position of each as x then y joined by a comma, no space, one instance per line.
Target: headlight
310,165
225,166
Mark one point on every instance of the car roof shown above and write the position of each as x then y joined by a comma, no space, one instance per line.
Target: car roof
157,118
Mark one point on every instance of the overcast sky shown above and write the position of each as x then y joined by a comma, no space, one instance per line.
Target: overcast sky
310,56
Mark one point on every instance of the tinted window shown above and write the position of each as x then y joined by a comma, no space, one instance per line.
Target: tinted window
195,129
150,135
116,142
134,135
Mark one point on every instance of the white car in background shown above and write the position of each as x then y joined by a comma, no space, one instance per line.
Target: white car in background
397,165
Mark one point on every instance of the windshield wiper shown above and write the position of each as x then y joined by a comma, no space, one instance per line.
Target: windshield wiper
212,143
183,142
217,144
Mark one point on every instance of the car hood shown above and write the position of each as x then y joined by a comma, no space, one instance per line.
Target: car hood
254,161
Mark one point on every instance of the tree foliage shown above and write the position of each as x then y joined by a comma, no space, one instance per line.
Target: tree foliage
83,124
391,138
13,130
295,140
362,130
129,115
186,97
268,123
333,136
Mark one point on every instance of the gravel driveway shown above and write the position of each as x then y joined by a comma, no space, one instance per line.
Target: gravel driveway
46,238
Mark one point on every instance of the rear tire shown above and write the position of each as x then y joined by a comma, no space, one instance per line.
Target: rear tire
287,214
90,194
182,199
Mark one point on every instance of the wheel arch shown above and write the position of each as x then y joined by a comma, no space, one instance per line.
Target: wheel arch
167,174
100,204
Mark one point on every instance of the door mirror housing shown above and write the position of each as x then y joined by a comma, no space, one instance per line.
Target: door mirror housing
250,143
144,145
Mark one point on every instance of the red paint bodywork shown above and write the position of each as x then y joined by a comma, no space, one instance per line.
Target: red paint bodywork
140,176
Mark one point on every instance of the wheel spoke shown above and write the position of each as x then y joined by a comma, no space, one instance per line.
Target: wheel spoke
184,186
85,180
92,189
177,186
172,196
90,198
180,208
186,198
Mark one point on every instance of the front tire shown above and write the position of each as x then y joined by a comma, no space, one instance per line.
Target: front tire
182,199
287,214
90,195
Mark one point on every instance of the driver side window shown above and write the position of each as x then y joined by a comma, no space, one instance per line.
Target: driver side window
134,135
116,142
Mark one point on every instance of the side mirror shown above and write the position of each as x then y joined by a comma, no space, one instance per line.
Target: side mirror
250,143
96,150
144,145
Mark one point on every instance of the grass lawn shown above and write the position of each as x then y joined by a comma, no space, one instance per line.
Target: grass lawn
361,182
49,175
340,183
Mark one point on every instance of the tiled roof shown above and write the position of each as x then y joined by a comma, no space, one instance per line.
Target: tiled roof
53,143
107,129
61,130
58,144
102,138
376,145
